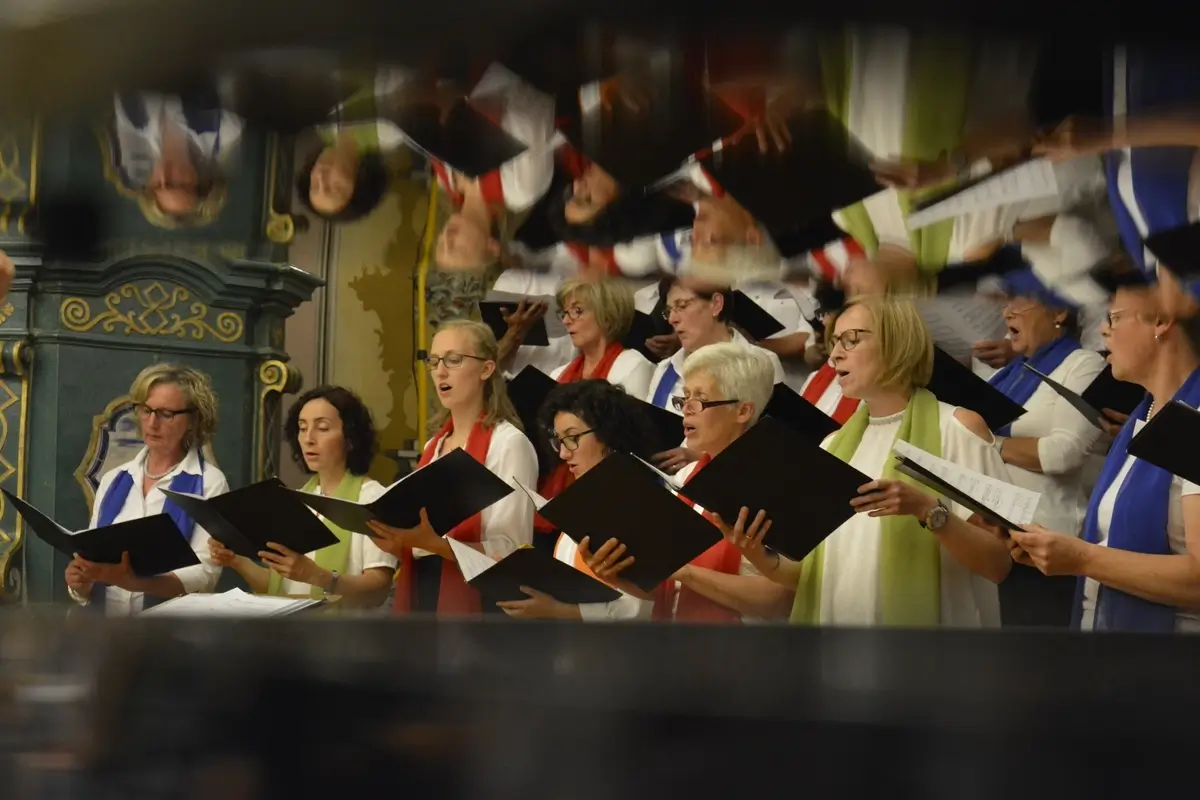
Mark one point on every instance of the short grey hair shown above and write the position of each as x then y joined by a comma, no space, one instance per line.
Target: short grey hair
740,371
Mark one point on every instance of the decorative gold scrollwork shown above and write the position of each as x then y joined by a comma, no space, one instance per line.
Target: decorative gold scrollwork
276,379
151,313
281,228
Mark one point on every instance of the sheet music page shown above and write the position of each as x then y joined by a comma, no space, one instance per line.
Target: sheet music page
958,323
554,324
1032,180
667,479
233,603
1093,415
538,500
471,562
1011,502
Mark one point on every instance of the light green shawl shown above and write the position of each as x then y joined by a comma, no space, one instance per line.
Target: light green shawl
941,70
909,556
337,555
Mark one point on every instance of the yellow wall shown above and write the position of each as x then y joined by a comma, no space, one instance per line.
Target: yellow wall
372,315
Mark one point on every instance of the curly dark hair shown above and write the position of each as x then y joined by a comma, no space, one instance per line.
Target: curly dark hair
614,417
370,184
358,428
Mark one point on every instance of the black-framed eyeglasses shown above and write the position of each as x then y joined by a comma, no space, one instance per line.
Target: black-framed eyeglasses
163,414
847,339
695,405
568,440
574,312
451,360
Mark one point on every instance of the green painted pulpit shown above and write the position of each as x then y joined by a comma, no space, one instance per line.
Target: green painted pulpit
213,293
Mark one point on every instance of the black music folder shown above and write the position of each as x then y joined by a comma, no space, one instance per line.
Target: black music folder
666,425
824,169
805,490
1178,249
752,318
245,519
676,117
528,391
1169,441
642,328
1103,392
800,415
491,310
956,384
465,140
451,489
535,567
622,498
155,544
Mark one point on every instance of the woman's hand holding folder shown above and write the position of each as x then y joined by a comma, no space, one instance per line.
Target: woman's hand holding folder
119,575
422,537
607,564
885,498
539,606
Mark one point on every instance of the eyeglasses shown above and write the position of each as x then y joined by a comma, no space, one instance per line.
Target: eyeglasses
567,440
1113,317
847,339
678,308
451,360
574,312
694,405
162,414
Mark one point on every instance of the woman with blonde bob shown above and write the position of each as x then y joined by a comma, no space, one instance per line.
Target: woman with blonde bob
906,558
478,417
177,409
597,315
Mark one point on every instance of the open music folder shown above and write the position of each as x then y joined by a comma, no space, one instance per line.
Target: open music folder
954,383
464,138
753,319
245,519
501,581
805,490
1169,440
155,544
622,498
1030,180
451,489
958,322
233,603
1103,392
800,415
1000,503
542,330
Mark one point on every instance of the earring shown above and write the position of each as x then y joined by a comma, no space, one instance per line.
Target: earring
1157,337
1057,325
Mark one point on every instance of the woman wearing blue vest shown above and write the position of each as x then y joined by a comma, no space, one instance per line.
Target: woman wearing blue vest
177,409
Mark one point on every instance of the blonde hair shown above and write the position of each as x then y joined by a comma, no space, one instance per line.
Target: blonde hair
196,387
905,346
497,407
609,299
745,373
206,210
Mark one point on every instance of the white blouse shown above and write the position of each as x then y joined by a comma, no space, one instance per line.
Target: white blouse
363,555
1064,439
625,607
829,399
680,356
1186,621
508,523
200,577
850,577
631,371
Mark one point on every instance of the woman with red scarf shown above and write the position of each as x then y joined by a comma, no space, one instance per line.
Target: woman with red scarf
478,417
725,388
597,315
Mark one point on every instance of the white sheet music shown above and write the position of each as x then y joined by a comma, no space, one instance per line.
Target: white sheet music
471,562
554,323
958,323
538,500
233,603
1032,180
1015,504
666,479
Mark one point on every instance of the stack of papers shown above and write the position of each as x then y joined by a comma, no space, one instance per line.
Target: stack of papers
957,324
233,603
1030,180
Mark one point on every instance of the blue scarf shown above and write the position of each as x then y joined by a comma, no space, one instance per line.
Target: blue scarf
662,392
1018,384
114,500
1156,81
1139,525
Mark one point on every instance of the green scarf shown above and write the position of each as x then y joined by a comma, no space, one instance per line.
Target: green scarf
335,556
909,556
358,116
940,74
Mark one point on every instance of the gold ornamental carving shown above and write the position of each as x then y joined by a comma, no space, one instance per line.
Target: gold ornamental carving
151,310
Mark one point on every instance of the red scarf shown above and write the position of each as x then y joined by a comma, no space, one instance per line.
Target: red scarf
816,390
490,186
455,597
693,606
560,477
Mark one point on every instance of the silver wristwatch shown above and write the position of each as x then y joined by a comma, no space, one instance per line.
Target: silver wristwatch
333,584
936,519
